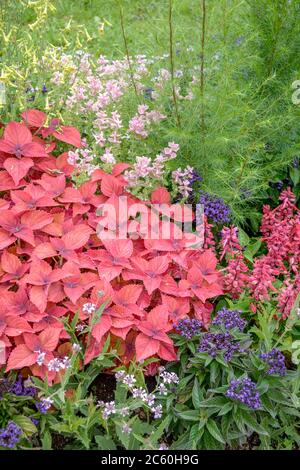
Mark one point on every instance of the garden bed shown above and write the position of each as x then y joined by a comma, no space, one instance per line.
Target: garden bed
150,226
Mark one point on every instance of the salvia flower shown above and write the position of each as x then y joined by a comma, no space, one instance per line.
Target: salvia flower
10,435
215,208
44,405
188,327
214,343
244,390
229,241
20,388
275,361
229,319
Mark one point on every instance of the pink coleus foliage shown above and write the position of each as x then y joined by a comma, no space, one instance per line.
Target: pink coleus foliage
276,272
54,264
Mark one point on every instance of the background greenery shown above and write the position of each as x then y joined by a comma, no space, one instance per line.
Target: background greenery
241,130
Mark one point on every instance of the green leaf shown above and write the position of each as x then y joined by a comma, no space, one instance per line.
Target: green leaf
225,409
98,313
243,237
183,443
251,250
46,441
215,431
295,176
120,393
196,394
189,415
214,372
290,411
160,429
105,442
210,443
25,424
253,424
124,438
194,436
214,402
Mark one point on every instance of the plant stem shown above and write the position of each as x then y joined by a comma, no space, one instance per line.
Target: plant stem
172,62
202,81
127,51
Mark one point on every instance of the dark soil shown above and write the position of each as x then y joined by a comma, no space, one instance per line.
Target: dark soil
104,386
59,442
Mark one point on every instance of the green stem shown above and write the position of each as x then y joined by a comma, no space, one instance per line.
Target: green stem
127,51
172,67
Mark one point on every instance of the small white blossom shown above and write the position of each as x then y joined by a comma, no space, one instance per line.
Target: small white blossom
157,411
41,358
109,409
89,308
126,429
76,347
124,411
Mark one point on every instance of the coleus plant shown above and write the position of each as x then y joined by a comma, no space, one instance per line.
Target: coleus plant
55,264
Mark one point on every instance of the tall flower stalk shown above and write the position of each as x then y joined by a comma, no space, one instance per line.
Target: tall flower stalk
131,71
202,79
172,62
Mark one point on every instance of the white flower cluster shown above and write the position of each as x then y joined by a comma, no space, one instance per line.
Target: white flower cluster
89,308
57,364
139,392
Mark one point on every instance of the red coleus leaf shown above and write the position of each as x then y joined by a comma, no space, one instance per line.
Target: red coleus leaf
207,263
153,333
54,259
119,168
114,258
42,274
102,327
67,134
199,286
53,185
34,118
17,168
16,227
160,196
21,356
18,141
148,271
7,182
127,295
111,185
12,266
177,308
33,197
